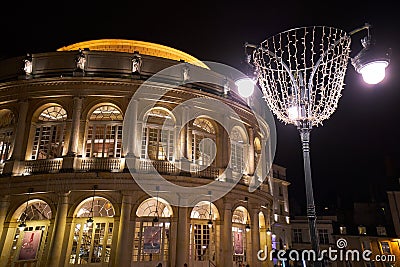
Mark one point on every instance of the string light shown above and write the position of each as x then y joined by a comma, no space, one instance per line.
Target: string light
210,223
22,225
155,219
90,220
247,222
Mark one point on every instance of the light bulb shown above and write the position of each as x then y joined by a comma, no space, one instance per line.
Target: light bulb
22,226
245,86
293,113
89,221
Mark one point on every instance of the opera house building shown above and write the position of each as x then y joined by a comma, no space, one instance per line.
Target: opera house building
78,188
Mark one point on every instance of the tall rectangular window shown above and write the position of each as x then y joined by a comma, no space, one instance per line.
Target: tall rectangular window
157,144
104,140
323,236
48,141
297,236
202,241
385,247
6,139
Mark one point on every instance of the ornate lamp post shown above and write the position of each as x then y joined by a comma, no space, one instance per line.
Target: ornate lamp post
301,73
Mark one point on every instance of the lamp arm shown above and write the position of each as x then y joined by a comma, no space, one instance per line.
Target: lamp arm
366,26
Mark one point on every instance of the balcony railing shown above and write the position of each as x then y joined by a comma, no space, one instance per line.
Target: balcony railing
209,172
43,166
161,166
119,164
101,164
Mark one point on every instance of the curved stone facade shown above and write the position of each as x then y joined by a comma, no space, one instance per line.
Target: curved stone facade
63,162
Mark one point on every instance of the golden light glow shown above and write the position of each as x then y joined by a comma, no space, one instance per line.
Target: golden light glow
130,46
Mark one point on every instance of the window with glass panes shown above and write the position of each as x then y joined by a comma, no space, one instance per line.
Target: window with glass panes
92,243
202,236
203,142
385,247
237,151
37,215
48,141
239,235
104,133
297,235
201,241
323,236
7,123
140,253
158,139
147,211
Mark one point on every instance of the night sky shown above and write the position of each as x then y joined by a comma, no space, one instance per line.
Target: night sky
354,155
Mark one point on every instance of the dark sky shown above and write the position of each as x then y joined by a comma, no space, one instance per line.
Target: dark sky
356,150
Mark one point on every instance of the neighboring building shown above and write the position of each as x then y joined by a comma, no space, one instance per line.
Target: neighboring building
281,228
360,238
394,204
368,227
301,236
67,196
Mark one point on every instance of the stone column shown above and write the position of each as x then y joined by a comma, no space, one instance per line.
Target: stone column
131,131
172,245
125,234
251,151
269,236
69,161
227,250
57,237
4,204
182,244
76,120
19,151
184,132
255,238
189,139
184,144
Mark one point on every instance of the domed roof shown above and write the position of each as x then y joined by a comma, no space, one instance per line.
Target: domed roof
130,46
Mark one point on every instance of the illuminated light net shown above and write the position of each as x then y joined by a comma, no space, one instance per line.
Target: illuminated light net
303,69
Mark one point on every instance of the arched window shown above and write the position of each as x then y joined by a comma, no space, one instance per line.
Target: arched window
154,207
7,123
237,150
202,236
104,133
152,231
49,137
203,142
241,238
35,210
158,136
29,242
91,242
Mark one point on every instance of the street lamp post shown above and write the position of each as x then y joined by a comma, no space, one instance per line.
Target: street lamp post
301,74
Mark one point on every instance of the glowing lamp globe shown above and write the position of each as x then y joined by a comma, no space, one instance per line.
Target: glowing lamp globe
245,86
374,72
371,62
